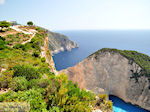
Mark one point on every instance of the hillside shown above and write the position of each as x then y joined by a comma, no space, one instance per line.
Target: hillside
122,73
28,79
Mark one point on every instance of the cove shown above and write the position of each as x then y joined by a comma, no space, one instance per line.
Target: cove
90,41
121,106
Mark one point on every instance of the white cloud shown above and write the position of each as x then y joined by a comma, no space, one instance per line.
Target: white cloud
2,2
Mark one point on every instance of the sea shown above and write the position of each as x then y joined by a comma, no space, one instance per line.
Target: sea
89,41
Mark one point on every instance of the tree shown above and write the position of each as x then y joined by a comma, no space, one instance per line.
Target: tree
4,24
30,23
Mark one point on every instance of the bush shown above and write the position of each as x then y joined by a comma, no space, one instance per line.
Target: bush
2,38
39,29
37,41
4,24
19,46
27,71
55,109
43,59
103,97
26,47
43,83
33,40
33,83
36,54
45,70
39,83
36,45
103,103
5,79
2,43
19,84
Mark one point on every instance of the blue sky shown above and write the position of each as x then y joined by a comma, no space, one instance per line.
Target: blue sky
79,14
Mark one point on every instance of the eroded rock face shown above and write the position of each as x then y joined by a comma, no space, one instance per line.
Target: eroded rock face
113,73
59,42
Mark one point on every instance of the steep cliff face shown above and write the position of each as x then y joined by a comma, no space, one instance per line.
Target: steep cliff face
45,52
116,74
59,42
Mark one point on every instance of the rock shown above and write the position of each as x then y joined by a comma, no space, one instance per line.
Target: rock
112,72
59,42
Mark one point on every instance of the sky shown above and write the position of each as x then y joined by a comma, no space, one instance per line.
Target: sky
78,14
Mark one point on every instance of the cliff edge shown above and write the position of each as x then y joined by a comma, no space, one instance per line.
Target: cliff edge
125,74
59,42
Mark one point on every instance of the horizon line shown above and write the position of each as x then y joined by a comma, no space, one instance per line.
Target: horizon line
94,29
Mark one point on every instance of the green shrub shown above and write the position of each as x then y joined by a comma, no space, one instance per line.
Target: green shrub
2,38
39,83
27,47
5,79
36,45
43,83
36,54
33,83
43,59
37,41
39,29
19,46
103,103
19,84
55,109
103,97
32,40
44,70
2,43
4,24
27,71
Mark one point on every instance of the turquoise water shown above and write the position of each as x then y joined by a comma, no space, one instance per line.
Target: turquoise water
121,106
91,41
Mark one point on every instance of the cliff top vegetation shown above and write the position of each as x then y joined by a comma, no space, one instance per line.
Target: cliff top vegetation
26,77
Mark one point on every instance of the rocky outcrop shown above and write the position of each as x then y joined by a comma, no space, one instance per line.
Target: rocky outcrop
114,73
59,42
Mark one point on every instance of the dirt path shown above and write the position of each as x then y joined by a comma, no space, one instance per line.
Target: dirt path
20,30
29,39
31,32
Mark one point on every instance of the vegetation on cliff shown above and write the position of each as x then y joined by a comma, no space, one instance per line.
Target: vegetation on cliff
28,78
4,24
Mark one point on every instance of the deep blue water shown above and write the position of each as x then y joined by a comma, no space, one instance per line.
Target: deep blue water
93,40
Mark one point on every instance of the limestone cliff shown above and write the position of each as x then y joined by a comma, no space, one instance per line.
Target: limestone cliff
45,52
59,42
117,73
